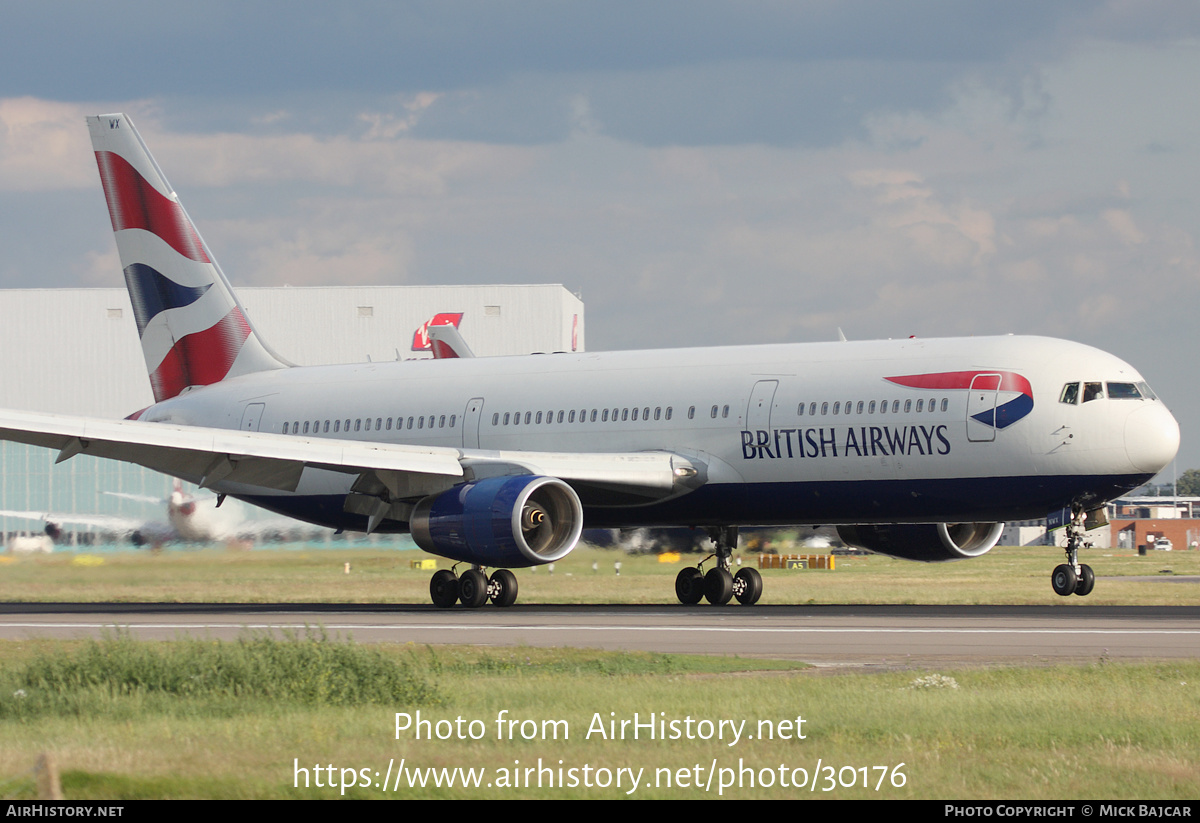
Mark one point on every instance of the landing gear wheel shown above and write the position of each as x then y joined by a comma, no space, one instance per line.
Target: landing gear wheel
1074,577
747,586
443,589
689,586
473,588
718,586
1064,580
502,588
1087,580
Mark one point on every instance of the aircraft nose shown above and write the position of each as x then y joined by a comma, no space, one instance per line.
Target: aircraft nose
1151,438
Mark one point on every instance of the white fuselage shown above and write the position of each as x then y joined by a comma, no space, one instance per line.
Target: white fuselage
804,433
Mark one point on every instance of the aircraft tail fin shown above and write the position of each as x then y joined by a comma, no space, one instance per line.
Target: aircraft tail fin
194,331
447,343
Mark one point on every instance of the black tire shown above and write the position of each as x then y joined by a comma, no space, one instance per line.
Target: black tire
718,586
443,589
689,586
747,586
502,588
473,588
1064,580
1086,582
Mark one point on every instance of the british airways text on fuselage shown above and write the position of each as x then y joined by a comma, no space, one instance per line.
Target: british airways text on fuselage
850,441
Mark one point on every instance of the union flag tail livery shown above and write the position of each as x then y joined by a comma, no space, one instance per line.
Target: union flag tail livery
193,330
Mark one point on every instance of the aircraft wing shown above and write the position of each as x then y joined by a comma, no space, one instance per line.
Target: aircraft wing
276,461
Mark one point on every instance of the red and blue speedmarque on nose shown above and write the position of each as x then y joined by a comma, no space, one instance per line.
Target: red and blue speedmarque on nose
1013,395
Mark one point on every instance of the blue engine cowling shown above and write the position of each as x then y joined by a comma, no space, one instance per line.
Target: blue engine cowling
510,522
928,542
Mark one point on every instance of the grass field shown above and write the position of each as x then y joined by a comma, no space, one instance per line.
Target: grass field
122,724
587,575
268,718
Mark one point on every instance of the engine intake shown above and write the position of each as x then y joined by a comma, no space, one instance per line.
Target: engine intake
927,542
510,522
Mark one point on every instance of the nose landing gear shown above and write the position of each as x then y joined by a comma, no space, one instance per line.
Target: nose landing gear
1074,577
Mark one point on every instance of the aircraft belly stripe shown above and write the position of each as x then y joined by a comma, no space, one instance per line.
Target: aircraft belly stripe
135,204
984,499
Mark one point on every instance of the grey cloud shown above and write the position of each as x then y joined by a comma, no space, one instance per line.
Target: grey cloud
684,71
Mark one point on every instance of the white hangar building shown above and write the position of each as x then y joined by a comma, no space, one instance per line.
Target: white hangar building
76,351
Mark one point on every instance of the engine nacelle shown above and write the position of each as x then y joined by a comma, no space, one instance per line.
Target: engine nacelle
510,522
927,542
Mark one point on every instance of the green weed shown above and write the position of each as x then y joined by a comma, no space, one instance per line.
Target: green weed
118,675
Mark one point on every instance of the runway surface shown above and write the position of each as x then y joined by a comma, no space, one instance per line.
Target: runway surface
887,636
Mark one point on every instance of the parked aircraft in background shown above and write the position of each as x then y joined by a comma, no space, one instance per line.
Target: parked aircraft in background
190,518
29,544
918,448
423,340
447,343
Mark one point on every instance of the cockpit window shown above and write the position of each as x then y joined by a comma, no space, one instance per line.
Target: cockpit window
1123,391
1070,394
1093,391
1144,388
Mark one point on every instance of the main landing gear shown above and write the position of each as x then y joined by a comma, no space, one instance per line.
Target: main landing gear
1073,577
719,585
473,589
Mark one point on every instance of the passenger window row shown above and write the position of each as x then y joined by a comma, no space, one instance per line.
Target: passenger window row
531,418
872,407
366,424
620,414
518,418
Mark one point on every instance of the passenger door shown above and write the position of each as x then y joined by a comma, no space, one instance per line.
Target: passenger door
981,407
471,419
252,416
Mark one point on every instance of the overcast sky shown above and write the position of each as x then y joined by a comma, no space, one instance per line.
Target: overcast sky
700,172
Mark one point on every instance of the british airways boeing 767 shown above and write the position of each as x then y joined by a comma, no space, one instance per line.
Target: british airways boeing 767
916,448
